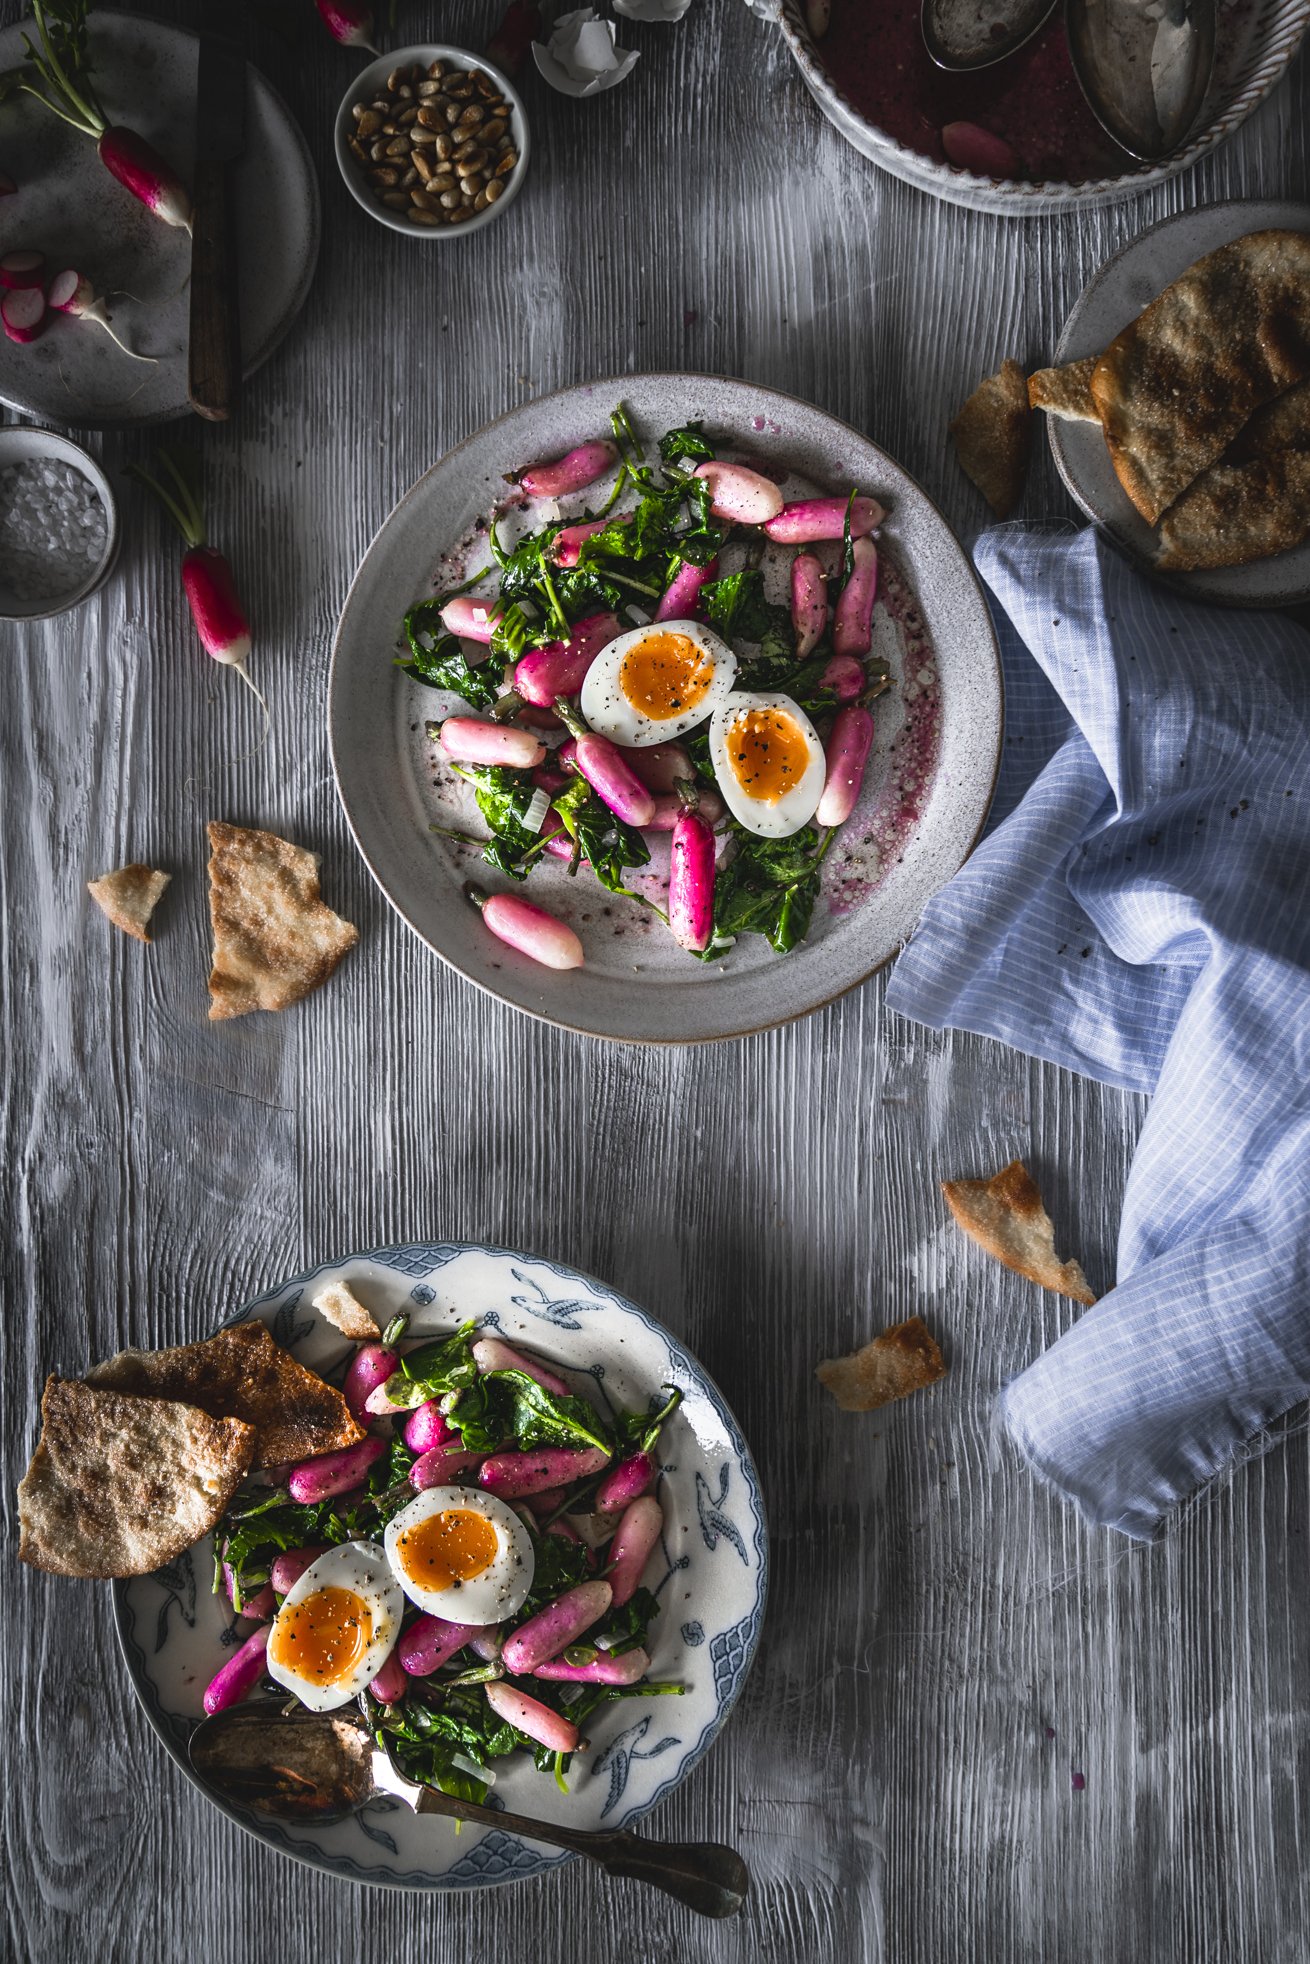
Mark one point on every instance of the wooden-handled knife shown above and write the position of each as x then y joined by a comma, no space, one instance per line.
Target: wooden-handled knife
214,367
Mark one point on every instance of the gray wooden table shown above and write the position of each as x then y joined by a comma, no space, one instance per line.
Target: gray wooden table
975,1730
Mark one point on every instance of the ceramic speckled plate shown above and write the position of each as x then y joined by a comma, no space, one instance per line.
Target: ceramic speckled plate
926,791
69,207
1124,285
710,1572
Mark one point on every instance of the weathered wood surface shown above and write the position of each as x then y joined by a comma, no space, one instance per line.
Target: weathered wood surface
976,1731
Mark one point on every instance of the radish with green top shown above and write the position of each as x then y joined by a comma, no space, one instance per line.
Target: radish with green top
669,808
438,1466
568,543
329,1474
491,1354
371,1365
23,314
691,881
470,618
739,494
634,1540
560,667
809,603
681,597
606,769
72,293
349,23
812,519
555,1627
844,677
626,1668
558,1735
514,1475
241,1673
290,1565
22,269
531,930
391,1683
470,740
574,472
428,1427
430,1641
635,1474
849,743
852,626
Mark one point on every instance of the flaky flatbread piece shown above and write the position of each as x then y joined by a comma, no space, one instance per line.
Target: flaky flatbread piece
1066,392
128,897
343,1309
1005,1216
241,1373
1177,385
119,1486
901,1360
1236,513
1283,424
274,940
992,434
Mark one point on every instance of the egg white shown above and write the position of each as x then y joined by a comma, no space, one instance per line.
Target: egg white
360,1566
609,711
774,818
489,1597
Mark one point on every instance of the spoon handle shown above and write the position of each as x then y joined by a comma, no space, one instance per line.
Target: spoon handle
706,1876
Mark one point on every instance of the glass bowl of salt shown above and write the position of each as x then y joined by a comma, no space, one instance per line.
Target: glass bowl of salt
58,524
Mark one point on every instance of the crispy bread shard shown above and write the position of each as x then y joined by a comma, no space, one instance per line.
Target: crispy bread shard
119,1486
1235,513
901,1360
1005,1216
128,897
1176,386
1066,392
343,1309
1283,424
241,1373
992,434
274,940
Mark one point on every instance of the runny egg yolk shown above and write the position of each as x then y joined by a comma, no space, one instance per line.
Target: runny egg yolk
768,753
323,1637
665,674
448,1548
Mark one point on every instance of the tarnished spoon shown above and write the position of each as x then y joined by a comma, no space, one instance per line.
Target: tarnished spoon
325,1765
1144,67
966,34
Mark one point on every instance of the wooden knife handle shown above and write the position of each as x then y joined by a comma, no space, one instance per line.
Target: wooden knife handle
214,367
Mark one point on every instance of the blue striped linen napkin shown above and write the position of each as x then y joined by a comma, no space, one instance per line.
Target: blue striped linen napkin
1140,911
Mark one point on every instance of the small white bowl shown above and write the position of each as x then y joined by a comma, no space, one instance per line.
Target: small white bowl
366,85
21,444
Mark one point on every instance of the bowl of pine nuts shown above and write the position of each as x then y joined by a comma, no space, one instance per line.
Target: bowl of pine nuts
432,141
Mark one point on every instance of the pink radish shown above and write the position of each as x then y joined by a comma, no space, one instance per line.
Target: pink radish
972,148
606,770
809,602
740,495
627,1668
560,668
139,167
333,1473
471,619
371,1365
487,1645
440,1465
391,1683
848,752
560,846
241,1673
288,1567
669,808
544,1503
470,740
568,544
427,1427
844,677
691,882
71,294
514,1475
530,929
259,1608
430,1642
490,1354
23,314
634,1538
573,472
558,1735
548,777
626,1482
348,22
812,519
22,269
661,766
554,1628
682,595
852,627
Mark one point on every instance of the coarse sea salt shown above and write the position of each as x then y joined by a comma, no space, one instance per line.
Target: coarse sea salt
53,532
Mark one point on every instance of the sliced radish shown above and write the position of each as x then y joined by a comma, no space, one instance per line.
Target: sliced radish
22,269
23,313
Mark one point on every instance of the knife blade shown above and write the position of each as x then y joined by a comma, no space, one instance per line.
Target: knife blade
214,361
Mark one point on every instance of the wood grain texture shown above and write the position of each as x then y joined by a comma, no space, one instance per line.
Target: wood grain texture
976,1730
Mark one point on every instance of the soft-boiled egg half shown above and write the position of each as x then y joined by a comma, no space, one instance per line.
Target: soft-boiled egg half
336,1627
461,1554
768,762
657,682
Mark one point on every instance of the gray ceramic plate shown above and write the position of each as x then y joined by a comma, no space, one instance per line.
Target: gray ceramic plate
1124,285
926,792
69,207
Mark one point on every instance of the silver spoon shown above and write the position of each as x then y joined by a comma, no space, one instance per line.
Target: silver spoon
969,34
1144,67
326,1765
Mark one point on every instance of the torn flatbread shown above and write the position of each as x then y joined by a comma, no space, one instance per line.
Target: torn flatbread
1005,1216
1283,424
1236,513
1177,385
274,939
901,1360
120,1485
343,1309
241,1373
992,435
1066,392
128,897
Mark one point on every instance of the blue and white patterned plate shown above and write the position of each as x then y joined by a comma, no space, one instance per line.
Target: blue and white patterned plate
710,1574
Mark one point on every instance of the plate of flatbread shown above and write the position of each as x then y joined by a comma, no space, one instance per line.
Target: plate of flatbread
1178,406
